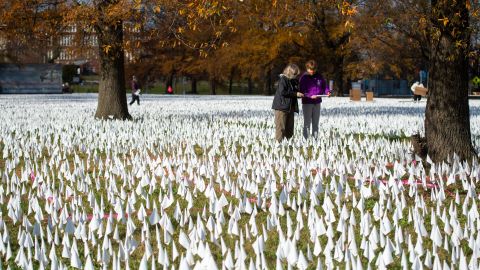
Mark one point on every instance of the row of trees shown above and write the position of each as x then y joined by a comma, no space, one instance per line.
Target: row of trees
244,41
349,39
251,40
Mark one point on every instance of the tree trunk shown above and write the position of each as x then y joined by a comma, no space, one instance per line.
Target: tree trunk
169,82
213,86
268,82
230,81
338,77
250,86
112,100
447,116
194,85
146,85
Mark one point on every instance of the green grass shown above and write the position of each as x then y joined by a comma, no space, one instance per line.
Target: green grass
203,88
76,88
390,138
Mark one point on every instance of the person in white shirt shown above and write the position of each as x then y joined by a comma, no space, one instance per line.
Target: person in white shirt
416,97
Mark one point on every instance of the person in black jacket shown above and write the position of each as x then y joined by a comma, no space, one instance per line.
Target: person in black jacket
285,102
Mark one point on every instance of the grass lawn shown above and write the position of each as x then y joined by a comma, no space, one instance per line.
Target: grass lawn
203,87
347,193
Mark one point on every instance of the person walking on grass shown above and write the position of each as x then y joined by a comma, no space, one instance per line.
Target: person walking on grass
285,103
135,91
313,86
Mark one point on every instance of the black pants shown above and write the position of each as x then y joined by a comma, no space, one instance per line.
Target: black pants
417,97
135,97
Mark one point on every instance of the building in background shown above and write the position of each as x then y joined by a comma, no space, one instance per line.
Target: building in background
30,79
73,46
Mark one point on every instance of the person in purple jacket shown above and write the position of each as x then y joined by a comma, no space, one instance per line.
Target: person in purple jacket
135,91
312,85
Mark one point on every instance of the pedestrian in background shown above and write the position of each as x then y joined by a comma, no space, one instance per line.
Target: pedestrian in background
416,98
135,91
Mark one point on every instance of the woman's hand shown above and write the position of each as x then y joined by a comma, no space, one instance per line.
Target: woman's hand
299,94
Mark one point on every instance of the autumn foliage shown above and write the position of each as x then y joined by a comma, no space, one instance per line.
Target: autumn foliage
241,41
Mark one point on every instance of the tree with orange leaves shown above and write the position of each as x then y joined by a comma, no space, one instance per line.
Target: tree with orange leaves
447,116
436,35
108,20
28,28
334,21
323,29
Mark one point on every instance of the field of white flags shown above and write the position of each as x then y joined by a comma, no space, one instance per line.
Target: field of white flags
200,183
